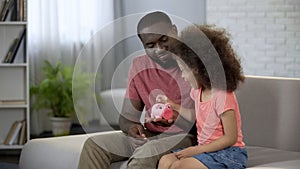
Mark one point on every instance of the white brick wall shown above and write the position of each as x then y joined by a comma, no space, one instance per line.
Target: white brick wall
265,33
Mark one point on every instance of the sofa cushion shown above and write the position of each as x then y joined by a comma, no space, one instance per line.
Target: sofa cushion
269,109
110,106
262,157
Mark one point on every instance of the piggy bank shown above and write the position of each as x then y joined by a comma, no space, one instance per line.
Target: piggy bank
160,110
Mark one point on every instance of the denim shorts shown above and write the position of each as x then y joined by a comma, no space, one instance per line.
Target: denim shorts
231,157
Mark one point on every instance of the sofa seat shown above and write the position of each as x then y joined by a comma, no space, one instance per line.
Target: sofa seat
267,158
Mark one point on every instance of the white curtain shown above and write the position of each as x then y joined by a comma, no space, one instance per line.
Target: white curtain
57,31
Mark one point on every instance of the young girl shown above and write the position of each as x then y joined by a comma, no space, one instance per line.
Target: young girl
219,134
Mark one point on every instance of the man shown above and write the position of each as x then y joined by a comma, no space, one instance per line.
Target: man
149,75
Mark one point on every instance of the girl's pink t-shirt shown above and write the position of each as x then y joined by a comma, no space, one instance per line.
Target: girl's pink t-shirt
208,115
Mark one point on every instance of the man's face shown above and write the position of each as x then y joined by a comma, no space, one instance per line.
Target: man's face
157,40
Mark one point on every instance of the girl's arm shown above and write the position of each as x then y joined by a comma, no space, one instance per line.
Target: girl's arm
230,137
188,114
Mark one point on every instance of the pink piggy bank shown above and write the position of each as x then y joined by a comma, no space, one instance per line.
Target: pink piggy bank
160,110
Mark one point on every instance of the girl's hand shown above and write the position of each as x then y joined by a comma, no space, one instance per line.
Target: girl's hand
188,152
161,99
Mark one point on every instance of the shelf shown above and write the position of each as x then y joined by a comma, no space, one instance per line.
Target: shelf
14,23
13,64
14,83
14,106
2,146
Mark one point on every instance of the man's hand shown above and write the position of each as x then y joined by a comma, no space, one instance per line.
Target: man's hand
137,134
137,131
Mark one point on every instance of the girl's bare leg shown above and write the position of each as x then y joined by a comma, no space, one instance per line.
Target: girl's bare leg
188,163
166,161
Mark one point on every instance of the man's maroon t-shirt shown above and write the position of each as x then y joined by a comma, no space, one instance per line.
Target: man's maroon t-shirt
147,79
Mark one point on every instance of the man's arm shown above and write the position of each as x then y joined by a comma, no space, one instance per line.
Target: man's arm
129,120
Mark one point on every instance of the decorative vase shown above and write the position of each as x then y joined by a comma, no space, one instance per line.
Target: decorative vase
60,125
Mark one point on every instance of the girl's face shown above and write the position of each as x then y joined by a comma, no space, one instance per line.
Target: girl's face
187,73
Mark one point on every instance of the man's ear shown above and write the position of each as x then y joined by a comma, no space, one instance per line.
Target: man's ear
174,29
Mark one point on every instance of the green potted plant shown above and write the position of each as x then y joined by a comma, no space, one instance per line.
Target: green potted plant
54,93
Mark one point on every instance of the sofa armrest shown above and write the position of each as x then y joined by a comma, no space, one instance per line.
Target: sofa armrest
55,152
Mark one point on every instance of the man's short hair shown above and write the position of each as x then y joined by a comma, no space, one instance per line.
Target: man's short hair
153,18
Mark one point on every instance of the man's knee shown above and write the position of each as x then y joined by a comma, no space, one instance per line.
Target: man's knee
90,145
137,163
93,156
146,156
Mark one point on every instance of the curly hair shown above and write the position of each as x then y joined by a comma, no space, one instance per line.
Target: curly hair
207,51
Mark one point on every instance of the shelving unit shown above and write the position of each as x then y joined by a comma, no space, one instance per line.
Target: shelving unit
14,81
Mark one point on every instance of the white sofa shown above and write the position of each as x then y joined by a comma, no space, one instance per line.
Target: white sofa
270,109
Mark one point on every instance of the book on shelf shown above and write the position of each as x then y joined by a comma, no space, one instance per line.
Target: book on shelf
6,8
12,102
10,51
13,133
13,49
24,7
2,7
14,12
22,136
17,12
